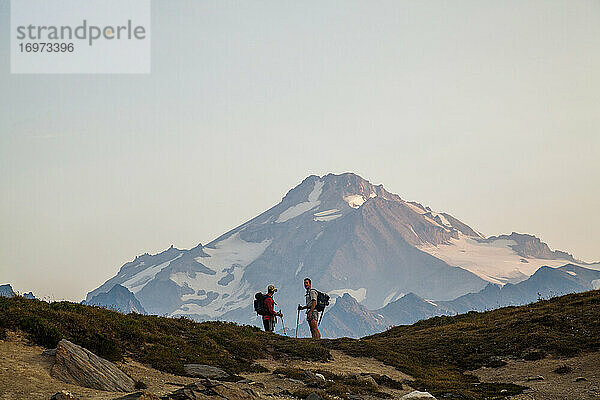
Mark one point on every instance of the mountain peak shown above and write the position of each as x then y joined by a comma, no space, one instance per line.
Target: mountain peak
345,233
6,291
335,192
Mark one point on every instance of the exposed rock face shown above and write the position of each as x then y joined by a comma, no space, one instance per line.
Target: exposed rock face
79,366
205,371
531,246
208,389
119,298
6,291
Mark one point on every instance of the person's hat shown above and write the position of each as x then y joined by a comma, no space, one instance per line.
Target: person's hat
272,288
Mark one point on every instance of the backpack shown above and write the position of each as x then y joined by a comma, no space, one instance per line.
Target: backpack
322,301
259,303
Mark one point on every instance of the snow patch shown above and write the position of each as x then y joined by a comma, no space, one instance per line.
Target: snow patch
328,217
354,200
495,261
228,258
359,294
326,212
139,280
432,216
596,284
393,296
442,219
431,302
413,231
571,273
372,195
433,221
415,208
233,251
301,208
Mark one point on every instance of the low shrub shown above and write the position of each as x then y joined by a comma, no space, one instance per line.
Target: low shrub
41,331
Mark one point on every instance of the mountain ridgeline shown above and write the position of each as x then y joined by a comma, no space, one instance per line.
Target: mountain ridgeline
368,248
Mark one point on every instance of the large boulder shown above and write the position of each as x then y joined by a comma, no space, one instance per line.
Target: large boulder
81,367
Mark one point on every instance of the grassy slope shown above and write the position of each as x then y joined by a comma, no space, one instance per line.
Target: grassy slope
436,352
165,343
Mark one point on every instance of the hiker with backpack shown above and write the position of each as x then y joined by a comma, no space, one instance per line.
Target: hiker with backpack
313,306
265,305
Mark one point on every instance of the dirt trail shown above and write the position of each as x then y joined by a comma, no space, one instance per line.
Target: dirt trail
554,386
341,364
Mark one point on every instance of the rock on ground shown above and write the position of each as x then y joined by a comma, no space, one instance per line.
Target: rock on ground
314,396
63,395
144,395
205,371
206,389
366,380
416,395
81,367
49,352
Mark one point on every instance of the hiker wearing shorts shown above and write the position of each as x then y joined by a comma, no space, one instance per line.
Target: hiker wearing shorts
312,315
269,317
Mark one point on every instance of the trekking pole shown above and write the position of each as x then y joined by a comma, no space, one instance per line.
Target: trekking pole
320,318
283,324
297,321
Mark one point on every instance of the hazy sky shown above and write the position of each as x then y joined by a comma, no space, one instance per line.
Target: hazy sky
488,110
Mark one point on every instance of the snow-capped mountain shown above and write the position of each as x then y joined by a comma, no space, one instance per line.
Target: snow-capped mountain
348,236
545,283
500,259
